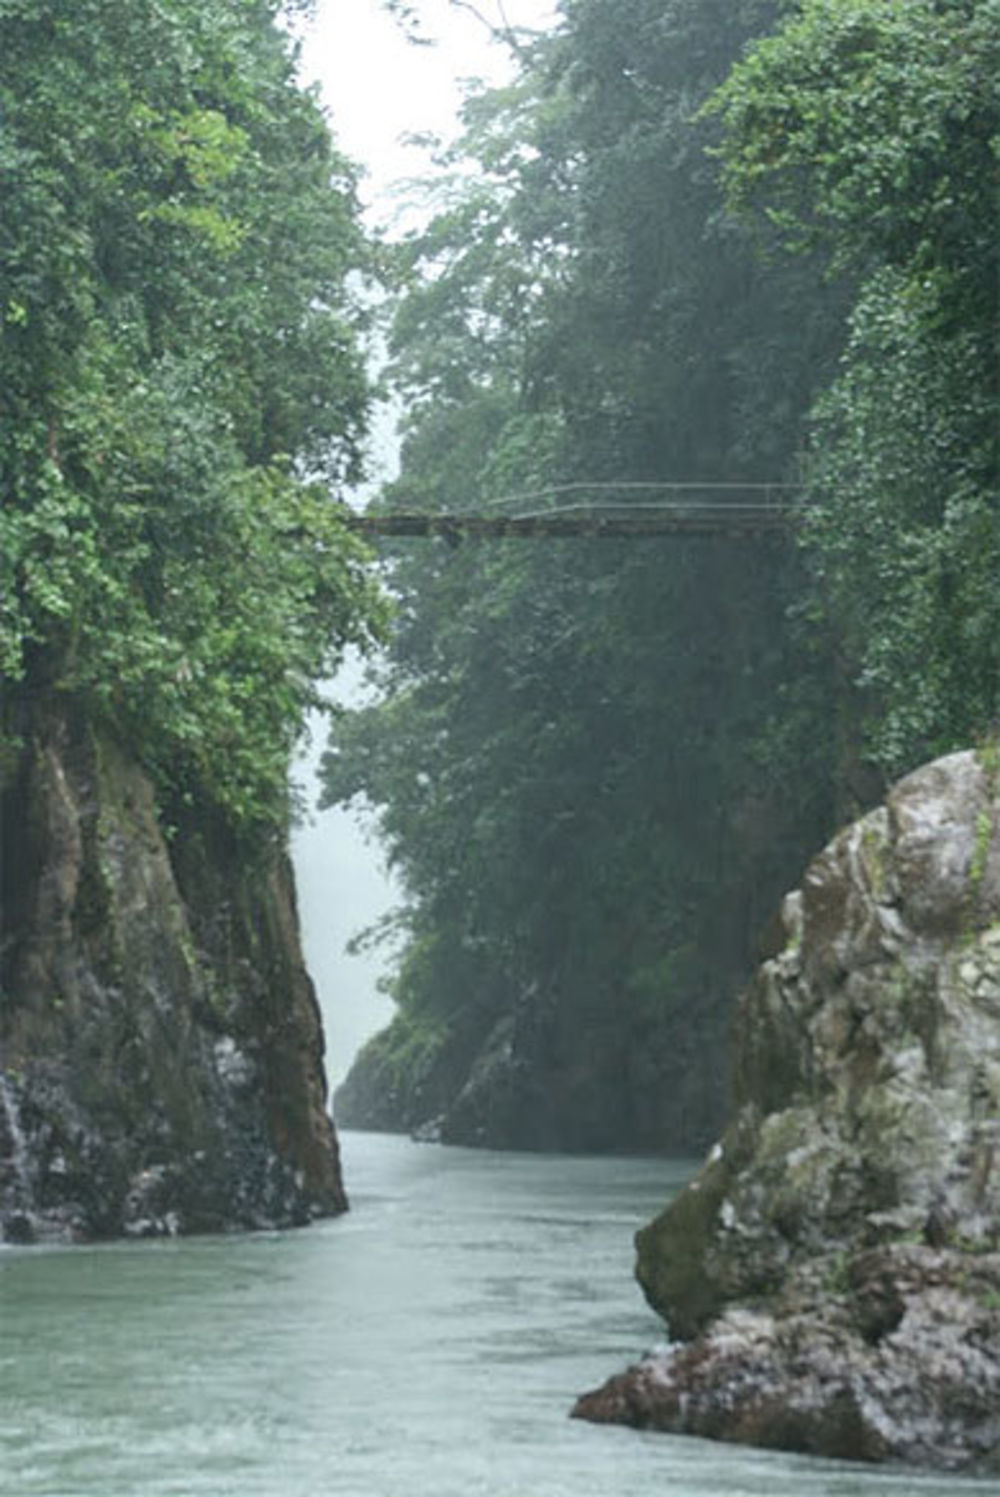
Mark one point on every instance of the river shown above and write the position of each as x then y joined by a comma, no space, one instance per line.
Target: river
429,1344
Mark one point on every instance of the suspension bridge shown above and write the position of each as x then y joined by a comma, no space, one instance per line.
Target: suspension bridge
602,510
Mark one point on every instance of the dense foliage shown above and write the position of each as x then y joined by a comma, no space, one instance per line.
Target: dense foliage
597,763
872,130
701,240
177,348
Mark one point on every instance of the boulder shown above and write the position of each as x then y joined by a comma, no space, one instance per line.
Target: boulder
831,1277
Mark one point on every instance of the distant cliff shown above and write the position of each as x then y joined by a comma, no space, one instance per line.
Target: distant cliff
547,1076
160,1044
832,1275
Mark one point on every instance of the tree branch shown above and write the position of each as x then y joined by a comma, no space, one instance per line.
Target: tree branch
504,32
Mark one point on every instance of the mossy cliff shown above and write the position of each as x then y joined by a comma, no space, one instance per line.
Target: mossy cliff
160,1044
832,1275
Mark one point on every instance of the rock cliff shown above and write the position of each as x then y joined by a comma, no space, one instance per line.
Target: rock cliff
538,1078
544,1075
832,1275
160,1044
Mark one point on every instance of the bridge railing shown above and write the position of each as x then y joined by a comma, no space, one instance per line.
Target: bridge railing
579,509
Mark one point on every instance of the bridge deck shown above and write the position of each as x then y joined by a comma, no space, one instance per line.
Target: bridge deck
647,520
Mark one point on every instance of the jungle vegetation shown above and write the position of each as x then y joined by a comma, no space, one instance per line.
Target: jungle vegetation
701,241
182,385
726,241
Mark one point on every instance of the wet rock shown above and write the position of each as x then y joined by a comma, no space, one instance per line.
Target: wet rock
888,1357
19,1227
160,1043
834,1266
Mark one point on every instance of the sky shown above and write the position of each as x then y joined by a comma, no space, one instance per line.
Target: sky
378,88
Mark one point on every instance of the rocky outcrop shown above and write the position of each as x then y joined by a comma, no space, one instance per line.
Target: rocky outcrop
832,1275
160,1042
538,1078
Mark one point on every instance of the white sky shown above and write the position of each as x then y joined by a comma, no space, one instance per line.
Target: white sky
379,87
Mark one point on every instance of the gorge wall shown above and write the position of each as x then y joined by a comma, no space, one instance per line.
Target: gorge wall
161,1052
547,1075
831,1277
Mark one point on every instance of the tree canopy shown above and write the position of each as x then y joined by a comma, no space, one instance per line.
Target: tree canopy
695,240
181,382
872,132
583,761
713,241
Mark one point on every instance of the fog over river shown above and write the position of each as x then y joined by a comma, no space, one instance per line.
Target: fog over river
429,1344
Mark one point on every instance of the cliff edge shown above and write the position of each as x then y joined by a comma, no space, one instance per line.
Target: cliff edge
161,1049
832,1275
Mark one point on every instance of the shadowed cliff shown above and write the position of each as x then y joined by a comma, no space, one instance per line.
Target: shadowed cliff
161,1052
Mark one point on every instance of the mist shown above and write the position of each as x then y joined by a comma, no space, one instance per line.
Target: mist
343,887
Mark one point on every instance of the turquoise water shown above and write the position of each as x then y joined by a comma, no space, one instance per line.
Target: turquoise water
429,1344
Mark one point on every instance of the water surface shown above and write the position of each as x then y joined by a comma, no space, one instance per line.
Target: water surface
429,1344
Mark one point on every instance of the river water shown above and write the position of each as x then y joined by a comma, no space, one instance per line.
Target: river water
429,1344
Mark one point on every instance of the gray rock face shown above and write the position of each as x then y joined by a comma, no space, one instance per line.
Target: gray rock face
835,1265
160,1044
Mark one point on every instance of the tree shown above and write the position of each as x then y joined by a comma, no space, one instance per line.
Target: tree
181,379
